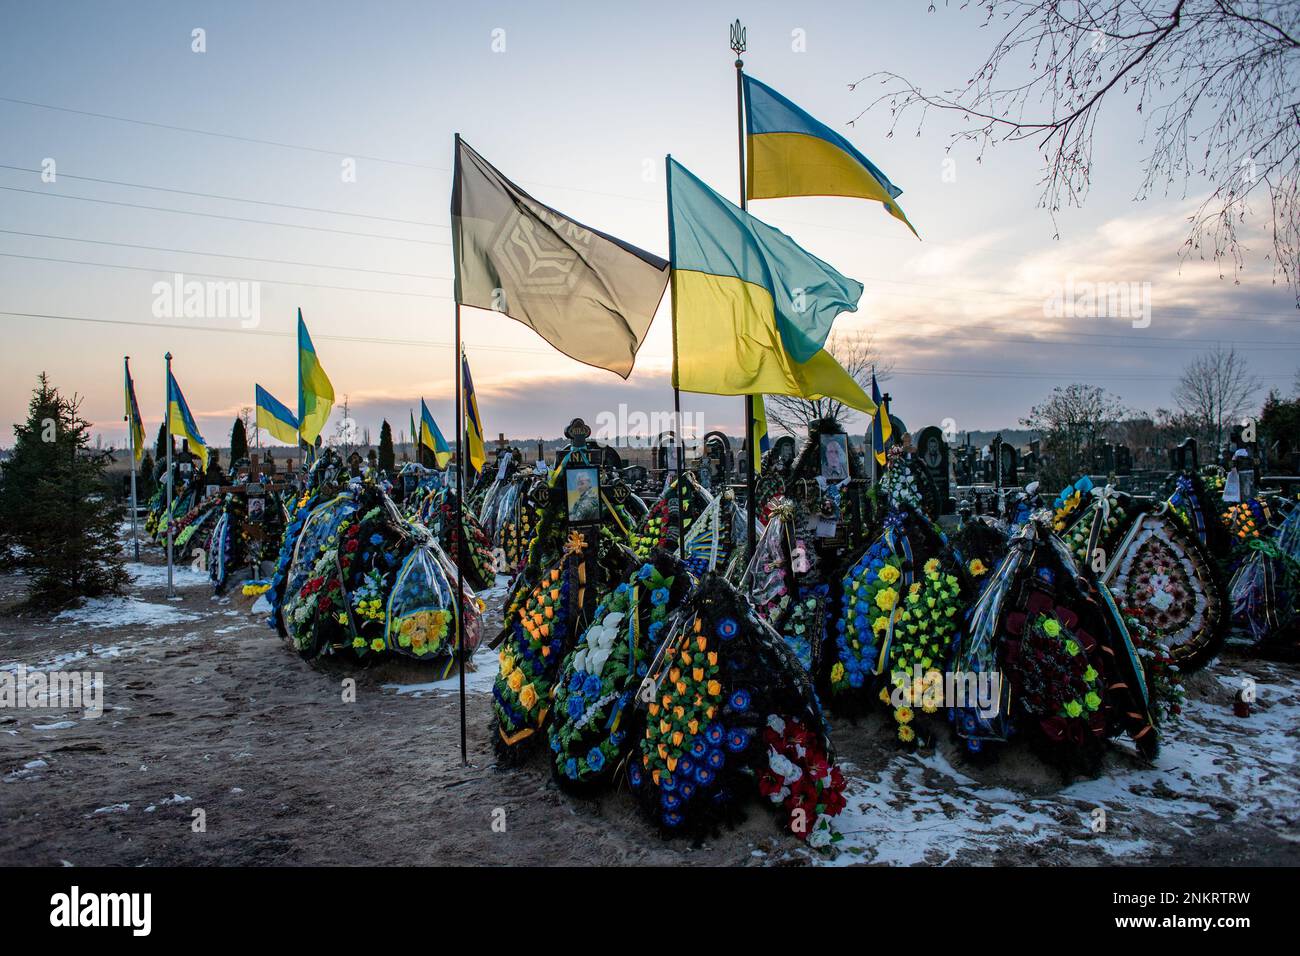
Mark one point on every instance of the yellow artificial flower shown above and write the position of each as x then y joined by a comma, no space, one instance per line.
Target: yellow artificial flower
886,599
837,672
527,696
889,574
515,680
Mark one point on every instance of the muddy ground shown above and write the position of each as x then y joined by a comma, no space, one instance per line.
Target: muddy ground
207,710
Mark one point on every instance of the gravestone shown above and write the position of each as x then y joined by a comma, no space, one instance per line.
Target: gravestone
932,452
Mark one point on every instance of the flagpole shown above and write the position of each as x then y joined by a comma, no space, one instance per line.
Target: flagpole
678,450
457,363
167,417
871,433
751,510
130,438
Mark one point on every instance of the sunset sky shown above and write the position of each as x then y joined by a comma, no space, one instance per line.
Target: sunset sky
579,108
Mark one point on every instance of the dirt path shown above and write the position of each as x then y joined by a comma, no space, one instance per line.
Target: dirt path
207,710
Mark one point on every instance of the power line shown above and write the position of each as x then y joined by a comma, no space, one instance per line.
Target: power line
897,369
215,275
214,215
224,255
258,202
207,132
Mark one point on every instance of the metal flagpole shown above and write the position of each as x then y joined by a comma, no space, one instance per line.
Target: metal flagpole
167,416
751,510
130,437
678,439
871,434
461,445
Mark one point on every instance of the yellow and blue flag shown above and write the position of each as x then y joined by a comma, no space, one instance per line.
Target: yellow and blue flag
315,393
181,422
134,422
762,444
281,423
431,437
477,457
788,153
751,309
882,429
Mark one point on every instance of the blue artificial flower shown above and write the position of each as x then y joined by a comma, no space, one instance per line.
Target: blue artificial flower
616,737
686,765
698,747
667,780
592,686
714,734
737,740
670,800
555,743
577,706
571,768
673,819
621,589
855,678
716,759
575,682
704,776
655,628
376,539
645,572
727,627
974,743
687,790
659,597
595,759
740,700
634,775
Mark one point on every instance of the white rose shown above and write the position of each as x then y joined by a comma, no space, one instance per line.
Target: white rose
580,660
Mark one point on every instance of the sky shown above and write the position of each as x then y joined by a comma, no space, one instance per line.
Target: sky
327,189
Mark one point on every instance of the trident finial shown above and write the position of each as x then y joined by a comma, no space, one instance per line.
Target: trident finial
737,38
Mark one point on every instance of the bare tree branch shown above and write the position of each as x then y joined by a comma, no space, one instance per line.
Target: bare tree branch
1218,82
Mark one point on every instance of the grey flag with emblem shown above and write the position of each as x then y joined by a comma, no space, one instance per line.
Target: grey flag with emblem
590,295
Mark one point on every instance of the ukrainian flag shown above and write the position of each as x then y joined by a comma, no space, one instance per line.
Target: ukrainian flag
281,423
882,429
315,393
788,153
751,310
134,422
473,424
182,422
431,437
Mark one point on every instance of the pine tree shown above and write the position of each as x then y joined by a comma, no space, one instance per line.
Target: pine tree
59,507
238,441
387,457
160,445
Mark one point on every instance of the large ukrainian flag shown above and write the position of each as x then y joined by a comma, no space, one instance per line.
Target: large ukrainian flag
751,310
431,437
788,153
315,393
182,422
272,415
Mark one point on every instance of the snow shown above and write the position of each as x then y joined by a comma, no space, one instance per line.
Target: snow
155,575
476,681
1213,767
123,612
57,725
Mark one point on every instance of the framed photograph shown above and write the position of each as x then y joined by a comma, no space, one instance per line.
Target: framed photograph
834,457
256,509
582,490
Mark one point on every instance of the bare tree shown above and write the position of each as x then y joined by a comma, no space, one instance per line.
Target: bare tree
857,353
1214,390
1218,82
1071,424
